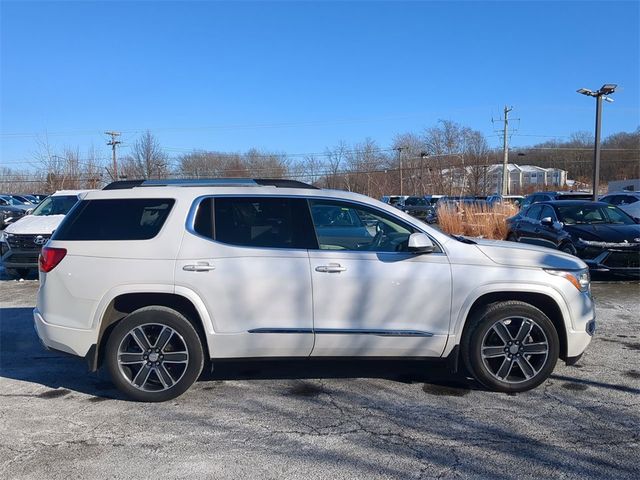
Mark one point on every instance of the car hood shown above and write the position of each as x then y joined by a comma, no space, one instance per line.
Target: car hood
605,233
40,224
521,255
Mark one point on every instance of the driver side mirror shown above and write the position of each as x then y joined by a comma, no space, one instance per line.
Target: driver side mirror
547,222
420,243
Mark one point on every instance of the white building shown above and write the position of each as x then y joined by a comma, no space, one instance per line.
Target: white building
522,177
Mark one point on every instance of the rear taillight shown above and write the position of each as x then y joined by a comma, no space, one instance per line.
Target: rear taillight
50,257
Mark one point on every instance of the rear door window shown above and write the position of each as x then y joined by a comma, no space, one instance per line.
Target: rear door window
115,219
267,222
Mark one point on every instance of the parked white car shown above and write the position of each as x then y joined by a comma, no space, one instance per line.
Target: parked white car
629,202
176,273
21,241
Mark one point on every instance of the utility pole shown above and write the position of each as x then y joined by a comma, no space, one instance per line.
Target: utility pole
399,149
505,150
114,143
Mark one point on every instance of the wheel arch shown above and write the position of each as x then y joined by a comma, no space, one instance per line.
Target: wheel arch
120,305
541,300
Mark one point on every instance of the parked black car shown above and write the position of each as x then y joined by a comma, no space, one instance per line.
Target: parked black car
548,196
604,236
420,208
11,210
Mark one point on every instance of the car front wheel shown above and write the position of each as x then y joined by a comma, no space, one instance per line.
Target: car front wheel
154,354
510,346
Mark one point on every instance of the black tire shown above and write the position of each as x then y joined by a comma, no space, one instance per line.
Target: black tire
512,237
18,273
152,321
480,332
568,247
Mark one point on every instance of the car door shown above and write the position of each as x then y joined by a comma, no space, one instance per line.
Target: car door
548,235
529,224
246,258
371,296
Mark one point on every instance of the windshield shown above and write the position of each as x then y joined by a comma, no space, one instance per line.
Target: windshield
416,201
592,215
59,205
12,201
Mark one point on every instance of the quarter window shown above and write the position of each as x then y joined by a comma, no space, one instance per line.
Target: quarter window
345,226
115,219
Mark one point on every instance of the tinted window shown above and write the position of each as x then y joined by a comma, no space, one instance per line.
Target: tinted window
263,222
627,200
534,212
203,222
367,229
593,214
547,211
116,219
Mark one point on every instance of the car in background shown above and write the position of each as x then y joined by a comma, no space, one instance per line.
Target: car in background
602,235
419,208
515,200
11,210
21,241
548,196
393,200
22,198
626,201
30,198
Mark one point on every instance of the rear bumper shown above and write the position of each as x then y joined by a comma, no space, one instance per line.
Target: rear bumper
74,341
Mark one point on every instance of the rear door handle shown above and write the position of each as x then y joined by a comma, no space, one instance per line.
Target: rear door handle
198,267
331,268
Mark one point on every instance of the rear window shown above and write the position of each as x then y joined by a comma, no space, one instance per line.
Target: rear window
116,219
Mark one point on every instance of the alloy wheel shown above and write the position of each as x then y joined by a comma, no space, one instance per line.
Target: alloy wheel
514,349
153,357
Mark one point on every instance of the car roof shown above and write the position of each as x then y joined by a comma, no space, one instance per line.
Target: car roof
572,202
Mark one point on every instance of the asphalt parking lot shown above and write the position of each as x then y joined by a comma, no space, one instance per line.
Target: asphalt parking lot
320,419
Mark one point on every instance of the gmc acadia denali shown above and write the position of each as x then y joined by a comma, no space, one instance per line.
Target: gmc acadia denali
155,278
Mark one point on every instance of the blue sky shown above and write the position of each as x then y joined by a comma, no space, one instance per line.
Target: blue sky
298,77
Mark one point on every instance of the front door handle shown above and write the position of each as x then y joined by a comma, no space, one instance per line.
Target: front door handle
331,268
198,267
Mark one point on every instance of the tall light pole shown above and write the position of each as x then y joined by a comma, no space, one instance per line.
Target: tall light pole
606,89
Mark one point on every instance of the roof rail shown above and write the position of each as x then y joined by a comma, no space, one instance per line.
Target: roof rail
208,182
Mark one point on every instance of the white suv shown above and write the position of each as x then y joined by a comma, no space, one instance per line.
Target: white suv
156,278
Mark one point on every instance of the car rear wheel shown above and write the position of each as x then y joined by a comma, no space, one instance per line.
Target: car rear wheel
154,354
510,346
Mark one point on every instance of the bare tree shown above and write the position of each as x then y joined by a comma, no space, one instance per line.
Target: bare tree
147,159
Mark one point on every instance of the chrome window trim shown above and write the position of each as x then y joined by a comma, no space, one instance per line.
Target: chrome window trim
193,211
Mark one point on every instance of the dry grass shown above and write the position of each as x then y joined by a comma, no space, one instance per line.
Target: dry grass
476,220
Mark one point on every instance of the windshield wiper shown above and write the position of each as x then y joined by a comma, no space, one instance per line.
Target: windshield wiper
462,239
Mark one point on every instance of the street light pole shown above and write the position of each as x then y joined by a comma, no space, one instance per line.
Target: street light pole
606,89
596,150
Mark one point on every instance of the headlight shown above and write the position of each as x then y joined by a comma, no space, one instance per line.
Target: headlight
579,279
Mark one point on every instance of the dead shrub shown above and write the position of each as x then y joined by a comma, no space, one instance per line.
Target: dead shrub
476,220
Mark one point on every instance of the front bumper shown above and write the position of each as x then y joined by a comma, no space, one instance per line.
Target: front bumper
619,261
18,258
578,340
74,341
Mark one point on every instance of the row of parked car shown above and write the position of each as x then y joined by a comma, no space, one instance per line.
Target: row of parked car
27,222
605,234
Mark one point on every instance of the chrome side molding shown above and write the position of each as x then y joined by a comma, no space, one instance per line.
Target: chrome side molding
346,331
